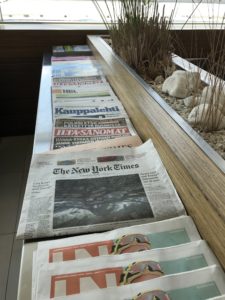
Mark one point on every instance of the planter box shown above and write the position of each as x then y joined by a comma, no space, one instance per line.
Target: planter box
195,169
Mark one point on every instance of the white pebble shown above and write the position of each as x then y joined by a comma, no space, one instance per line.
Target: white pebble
191,101
181,84
213,94
207,116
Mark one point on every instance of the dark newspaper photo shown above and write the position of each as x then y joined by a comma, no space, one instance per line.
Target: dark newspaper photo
99,200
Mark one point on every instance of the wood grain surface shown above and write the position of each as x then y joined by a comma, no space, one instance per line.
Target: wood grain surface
200,184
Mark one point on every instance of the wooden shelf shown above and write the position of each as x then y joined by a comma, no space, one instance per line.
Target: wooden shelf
199,182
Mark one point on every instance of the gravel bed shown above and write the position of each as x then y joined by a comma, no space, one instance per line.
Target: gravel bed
216,139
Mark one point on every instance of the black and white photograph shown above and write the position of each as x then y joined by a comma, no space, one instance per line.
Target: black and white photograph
80,202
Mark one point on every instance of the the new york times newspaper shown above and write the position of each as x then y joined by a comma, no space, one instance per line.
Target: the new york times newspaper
71,132
96,191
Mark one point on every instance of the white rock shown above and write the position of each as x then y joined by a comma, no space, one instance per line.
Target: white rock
207,116
191,101
179,73
194,81
207,93
181,83
175,86
216,104
215,94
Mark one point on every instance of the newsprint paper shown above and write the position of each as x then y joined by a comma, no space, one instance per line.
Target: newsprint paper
78,81
205,283
96,191
70,132
137,238
76,68
121,142
88,108
102,272
82,91
71,50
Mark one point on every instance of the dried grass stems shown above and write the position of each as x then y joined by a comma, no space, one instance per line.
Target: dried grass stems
210,115
213,117
140,34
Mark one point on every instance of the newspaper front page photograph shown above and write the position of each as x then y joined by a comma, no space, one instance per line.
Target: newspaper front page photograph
101,190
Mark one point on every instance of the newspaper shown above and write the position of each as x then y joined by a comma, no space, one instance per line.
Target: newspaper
160,234
126,141
73,62
87,91
78,81
76,68
96,190
57,59
205,283
88,107
70,132
72,59
67,50
124,240
108,271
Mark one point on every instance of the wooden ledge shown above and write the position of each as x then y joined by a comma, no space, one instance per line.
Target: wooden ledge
199,182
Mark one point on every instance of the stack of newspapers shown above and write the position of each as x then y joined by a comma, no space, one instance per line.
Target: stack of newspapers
85,108
158,261
99,176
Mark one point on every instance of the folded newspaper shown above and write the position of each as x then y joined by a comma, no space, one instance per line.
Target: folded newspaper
78,68
66,50
81,91
78,81
88,107
56,59
171,232
51,280
96,191
205,283
70,132
121,142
